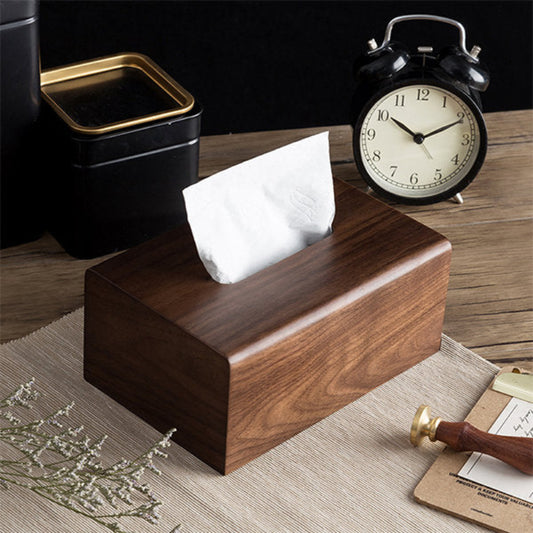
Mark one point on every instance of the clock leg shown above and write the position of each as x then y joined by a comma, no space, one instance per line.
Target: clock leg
458,199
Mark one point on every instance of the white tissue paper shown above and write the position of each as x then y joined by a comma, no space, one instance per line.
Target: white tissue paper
259,212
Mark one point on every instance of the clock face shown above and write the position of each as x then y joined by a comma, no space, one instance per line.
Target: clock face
420,143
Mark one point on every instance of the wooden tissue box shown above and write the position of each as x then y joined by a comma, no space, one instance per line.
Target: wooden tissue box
240,368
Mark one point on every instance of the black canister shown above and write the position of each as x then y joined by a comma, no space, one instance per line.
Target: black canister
20,194
122,141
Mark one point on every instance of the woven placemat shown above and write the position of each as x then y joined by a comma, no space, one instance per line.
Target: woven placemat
353,472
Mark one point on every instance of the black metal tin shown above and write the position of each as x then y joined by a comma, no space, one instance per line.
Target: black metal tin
20,209
121,142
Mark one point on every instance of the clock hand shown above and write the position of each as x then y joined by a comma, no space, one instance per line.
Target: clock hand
426,151
417,137
403,127
438,130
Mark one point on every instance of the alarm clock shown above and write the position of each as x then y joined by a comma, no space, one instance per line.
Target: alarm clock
418,131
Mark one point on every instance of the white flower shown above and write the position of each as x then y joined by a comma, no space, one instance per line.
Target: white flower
68,470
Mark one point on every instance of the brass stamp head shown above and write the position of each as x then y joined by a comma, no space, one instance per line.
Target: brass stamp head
423,425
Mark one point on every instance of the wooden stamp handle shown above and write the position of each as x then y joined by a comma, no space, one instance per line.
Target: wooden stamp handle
463,437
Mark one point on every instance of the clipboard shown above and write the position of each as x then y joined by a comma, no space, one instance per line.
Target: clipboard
441,488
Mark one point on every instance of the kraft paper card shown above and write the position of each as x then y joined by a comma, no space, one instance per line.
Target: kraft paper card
479,488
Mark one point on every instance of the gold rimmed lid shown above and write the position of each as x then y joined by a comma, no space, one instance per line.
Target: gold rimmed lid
113,92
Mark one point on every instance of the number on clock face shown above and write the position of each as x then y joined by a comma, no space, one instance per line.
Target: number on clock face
419,140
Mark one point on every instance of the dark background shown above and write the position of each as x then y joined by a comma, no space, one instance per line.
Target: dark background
274,65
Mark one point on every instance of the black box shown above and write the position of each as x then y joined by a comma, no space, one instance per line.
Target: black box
121,141
20,183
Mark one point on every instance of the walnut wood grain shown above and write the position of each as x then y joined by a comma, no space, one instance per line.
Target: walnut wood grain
324,368
241,368
158,371
488,309
464,437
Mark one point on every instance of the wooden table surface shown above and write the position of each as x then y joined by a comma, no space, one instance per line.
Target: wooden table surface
490,297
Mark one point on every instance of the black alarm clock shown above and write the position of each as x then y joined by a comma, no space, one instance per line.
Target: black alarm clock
418,131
